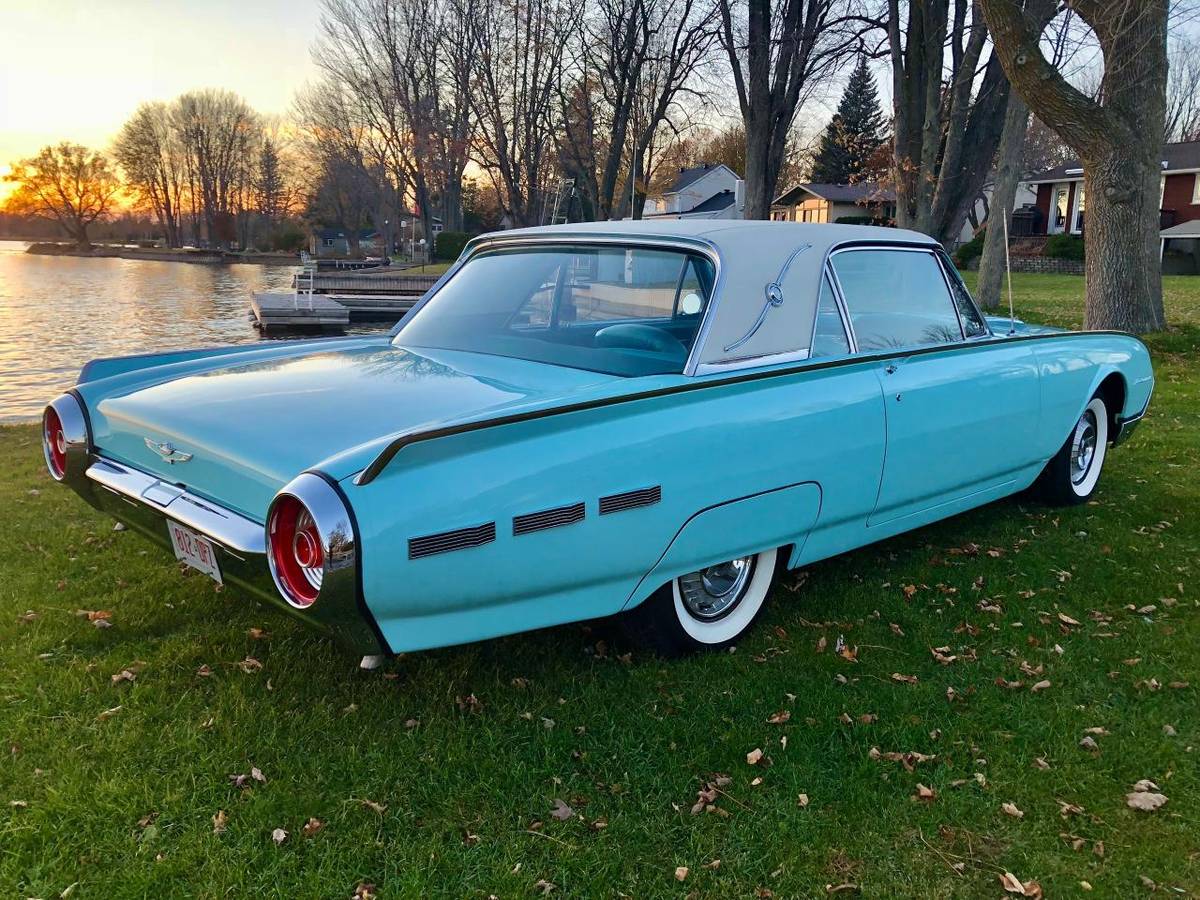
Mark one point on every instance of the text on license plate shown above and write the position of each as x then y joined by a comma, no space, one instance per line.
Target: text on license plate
198,552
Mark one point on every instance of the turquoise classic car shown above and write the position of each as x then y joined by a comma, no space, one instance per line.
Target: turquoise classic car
650,418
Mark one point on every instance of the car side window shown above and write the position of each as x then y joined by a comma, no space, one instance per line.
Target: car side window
829,334
896,298
972,320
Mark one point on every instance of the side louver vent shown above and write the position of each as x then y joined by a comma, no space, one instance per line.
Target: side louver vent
548,518
630,500
459,539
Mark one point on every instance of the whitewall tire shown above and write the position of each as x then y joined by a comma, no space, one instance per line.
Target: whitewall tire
1071,476
704,610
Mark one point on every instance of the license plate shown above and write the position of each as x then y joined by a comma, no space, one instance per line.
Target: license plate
198,552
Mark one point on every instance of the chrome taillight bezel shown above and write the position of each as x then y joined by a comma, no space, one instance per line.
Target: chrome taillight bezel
332,526
65,423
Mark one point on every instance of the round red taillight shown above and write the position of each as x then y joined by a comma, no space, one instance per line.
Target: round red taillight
297,554
55,442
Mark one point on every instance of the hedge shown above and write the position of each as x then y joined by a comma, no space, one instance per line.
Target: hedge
449,244
1064,246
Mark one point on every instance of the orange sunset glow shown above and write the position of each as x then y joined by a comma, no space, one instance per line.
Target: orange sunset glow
75,70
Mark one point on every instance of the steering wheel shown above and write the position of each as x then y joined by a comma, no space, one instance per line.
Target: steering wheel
640,337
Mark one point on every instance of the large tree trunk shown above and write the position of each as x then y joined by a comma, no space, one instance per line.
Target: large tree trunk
1123,270
1119,142
992,264
758,166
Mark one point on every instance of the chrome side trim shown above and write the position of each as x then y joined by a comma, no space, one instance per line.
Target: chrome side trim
232,531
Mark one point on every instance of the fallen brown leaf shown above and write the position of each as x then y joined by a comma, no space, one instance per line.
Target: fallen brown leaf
681,873
561,811
220,821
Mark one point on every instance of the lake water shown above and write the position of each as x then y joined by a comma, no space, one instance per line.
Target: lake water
57,312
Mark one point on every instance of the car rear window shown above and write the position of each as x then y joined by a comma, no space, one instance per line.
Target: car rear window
620,310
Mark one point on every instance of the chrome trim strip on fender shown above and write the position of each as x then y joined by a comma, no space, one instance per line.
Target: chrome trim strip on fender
232,531
371,471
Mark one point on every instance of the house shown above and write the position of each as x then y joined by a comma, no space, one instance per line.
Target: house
333,243
706,191
835,203
1061,201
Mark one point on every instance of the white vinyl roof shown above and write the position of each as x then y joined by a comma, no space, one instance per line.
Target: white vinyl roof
752,256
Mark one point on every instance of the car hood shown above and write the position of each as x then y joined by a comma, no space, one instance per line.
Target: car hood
252,427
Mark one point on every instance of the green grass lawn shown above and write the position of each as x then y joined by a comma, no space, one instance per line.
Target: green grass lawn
124,786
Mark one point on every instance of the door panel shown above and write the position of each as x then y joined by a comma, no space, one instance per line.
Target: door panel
958,421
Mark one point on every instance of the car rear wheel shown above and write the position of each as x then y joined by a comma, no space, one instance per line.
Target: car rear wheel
709,609
1071,476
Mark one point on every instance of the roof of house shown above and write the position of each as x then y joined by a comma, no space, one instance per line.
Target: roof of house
717,202
862,192
331,234
1181,156
695,173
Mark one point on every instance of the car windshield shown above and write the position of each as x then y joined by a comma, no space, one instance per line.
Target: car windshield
620,310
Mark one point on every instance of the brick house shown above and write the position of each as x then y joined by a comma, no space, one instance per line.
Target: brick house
1061,201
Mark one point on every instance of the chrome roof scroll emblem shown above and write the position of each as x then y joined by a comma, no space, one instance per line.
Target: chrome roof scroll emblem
167,451
774,292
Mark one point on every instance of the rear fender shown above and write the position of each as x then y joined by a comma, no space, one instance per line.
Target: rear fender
737,528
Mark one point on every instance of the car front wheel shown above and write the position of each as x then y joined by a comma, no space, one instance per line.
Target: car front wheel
704,610
1071,475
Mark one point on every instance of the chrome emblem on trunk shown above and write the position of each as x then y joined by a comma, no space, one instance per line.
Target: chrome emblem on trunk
167,451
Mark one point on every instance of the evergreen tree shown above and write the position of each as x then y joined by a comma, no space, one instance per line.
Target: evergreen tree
854,134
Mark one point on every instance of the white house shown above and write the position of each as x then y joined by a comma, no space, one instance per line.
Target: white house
706,191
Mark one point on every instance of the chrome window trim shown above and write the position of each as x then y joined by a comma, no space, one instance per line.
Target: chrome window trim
840,304
749,362
701,246
951,275
901,248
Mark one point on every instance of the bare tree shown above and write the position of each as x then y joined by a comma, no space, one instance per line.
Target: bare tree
947,113
1118,139
219,133
1183,91
776,55
347,167
67,184
152,158
517,57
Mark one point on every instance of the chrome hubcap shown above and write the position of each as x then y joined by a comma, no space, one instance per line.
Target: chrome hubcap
715,591
1083,446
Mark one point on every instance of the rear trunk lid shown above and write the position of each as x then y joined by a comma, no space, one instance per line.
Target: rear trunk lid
247,429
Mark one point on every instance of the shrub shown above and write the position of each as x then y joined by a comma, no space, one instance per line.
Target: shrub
970,251
864,220
449,244
1064,246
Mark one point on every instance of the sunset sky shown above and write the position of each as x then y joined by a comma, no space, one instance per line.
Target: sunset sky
75,69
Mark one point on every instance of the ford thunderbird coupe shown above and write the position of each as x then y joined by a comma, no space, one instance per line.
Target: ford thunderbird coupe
651,419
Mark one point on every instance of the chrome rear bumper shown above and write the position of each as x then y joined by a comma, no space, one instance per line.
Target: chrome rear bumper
145,503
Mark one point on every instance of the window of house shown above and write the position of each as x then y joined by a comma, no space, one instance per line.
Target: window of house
1196,188
1077,221
896,298
829,332
1059,213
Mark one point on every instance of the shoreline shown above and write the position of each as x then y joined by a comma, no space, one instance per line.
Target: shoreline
204,257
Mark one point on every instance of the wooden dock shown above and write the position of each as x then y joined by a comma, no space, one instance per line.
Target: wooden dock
298,311
380,281
333,311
